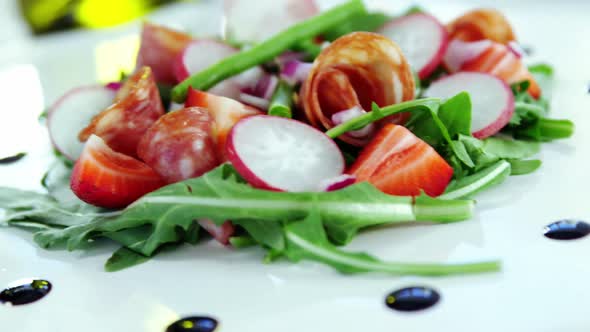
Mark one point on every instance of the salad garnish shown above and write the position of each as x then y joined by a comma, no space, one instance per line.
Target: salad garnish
341,122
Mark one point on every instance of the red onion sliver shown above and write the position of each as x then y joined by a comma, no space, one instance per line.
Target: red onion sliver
282,59
115,86
515,48
221,233
337,183
343,116
255,101
295,71
266,86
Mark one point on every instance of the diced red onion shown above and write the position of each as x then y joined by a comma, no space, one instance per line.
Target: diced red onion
516,49
115,86
337,183
349,114
266,86
220,233
282,59
295,71
255,101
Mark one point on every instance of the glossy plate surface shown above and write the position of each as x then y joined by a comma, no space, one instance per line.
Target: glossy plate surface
543,285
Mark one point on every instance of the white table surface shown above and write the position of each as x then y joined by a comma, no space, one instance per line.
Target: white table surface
543,286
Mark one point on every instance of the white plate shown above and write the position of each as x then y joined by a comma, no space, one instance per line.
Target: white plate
543,285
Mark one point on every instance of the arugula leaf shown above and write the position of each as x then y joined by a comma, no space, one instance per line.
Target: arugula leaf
522,167
124,258
455,114
468,186
438,126
265,233
20,205
545,130
219,195
242,241
414,10
507,148
306,239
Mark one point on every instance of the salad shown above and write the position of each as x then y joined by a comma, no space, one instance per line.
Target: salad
340,121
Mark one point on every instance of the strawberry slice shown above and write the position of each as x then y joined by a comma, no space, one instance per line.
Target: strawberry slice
105,178
399,163
500,61
226,113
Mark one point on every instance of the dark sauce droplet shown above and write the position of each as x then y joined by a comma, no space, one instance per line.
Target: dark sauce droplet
193,324
412,299
25,291
12,159
567,230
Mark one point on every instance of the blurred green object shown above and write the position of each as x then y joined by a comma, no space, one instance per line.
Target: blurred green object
54,15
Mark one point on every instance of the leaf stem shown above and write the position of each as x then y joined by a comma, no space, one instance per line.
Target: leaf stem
373,116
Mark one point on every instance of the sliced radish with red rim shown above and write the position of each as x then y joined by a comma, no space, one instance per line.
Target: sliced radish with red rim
422,38
72,112
282,154
491,99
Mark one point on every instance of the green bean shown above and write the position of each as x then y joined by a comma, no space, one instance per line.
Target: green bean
309,47
282,101
269,49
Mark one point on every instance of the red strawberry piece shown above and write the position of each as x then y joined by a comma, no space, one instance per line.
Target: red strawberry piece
399,163
105,178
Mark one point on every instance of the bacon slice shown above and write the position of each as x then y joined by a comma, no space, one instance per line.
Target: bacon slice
159,47
482,24
137,106
180,145
356,70
500,61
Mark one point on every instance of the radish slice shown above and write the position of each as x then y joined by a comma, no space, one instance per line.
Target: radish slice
459,53
282,154
491,99
201,54
337,183
422,38
72,112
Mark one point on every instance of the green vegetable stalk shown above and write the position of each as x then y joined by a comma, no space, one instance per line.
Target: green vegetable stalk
281,102
269,49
